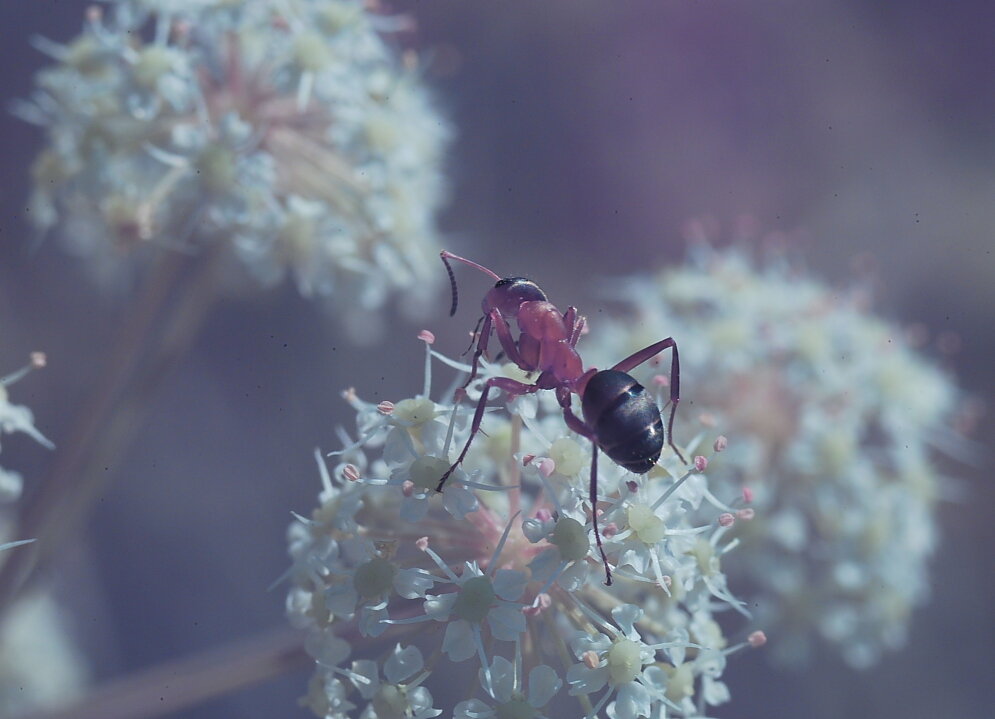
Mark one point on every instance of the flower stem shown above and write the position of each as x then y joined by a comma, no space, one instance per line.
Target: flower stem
156,333
185,682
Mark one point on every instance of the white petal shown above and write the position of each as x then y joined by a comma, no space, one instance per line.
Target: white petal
655,678
414,509
714,692
372,621
458,641
458,500
472,709
412,583
583,680
626,615
506,622
340,599
367,669
439,606
326,648
502,679
575,576
397,450
509,584
544,564
632,701
544,682
403,663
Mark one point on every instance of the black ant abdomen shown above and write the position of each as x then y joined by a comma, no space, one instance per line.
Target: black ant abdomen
625,419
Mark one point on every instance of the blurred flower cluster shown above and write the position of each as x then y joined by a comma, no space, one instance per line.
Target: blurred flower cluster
489,596
834,417
39,665
17,418
290,134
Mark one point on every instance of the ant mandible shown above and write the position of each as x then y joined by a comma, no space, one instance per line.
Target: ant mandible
620,417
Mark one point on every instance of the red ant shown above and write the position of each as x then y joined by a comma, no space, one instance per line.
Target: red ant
621,417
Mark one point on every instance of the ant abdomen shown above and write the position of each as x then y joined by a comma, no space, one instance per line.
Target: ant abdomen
625,420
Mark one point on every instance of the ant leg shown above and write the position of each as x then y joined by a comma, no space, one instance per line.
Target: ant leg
510,386
637,358
574,422
594,512
473,336
508,343
482,339
575,324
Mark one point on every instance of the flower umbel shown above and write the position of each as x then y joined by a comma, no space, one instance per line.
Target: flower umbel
290,133
495,583
834,416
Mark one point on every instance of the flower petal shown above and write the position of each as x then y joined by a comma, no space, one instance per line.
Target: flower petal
506,621
509,584
458,641
502,679
544,682
402,663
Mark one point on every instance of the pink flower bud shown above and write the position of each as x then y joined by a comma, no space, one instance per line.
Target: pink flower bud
350,473
427,337
385,407
726,519
543,515
38,360
422,543
408,488
546,466
541,603
720,443
746,514
747,495
590,659
609,530
757,639
700,463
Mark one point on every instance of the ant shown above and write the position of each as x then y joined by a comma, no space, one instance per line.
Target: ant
620,417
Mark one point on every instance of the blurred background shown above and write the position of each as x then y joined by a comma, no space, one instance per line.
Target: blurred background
587,135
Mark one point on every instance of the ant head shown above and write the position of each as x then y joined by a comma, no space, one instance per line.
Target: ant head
505,296
509,293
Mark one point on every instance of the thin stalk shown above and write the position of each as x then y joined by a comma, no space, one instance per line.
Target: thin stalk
110,419
88,421
186,682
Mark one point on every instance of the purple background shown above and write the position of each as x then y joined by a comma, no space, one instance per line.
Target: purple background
589,133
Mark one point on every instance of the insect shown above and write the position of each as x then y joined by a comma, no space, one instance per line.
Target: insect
619,416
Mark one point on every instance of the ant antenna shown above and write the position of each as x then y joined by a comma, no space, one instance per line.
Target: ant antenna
452,283
446,255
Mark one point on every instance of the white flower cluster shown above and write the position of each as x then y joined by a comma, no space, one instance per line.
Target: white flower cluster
832,414
289,133
17,418
487,599
39,665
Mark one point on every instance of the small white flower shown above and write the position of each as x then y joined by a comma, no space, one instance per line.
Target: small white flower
509,697
399,694
17,418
